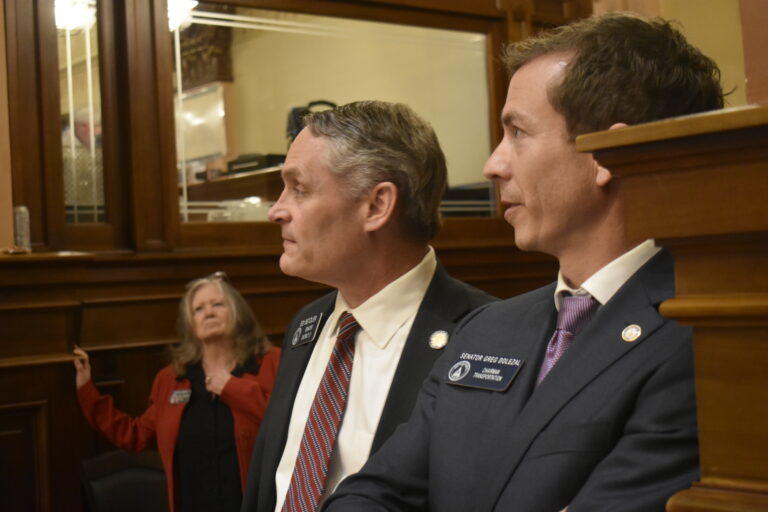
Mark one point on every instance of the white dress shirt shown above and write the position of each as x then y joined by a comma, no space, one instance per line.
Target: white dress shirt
603,284
385,321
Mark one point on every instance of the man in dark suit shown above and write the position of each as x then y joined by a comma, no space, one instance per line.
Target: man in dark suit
579,395
363,184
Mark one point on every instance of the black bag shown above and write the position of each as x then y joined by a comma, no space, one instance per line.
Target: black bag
296,117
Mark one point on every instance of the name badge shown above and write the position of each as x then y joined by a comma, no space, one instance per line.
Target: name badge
307,330
481,371
180,396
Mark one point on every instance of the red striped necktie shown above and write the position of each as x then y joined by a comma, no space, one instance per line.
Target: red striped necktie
311,469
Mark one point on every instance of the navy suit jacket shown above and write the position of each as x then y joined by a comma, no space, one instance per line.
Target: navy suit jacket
445,303
611,428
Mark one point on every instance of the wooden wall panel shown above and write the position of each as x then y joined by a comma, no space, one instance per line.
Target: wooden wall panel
122,308
121,305
36,329
23,475
129,320
6,203
707,184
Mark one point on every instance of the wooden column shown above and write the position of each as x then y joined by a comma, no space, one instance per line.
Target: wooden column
6,204
699,186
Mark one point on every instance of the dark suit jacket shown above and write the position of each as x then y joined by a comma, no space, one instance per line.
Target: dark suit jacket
445,303
611,428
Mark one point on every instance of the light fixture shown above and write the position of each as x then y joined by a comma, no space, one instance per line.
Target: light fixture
74,14
179,13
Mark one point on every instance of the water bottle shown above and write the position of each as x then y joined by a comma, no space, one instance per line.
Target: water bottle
21,227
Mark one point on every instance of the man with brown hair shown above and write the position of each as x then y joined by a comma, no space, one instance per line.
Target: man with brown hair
579,394
362,188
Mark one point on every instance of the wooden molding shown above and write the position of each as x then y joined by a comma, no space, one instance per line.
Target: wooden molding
205,52
717,121
698,185
24,442
6,202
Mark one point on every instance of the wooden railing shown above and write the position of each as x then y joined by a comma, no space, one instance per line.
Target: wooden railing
699,186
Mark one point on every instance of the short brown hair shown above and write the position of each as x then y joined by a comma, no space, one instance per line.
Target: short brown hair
625,69
246,333
376,141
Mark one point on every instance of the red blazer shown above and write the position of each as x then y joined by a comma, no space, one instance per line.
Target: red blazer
246,396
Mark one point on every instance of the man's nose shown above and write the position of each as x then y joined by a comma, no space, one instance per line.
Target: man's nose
278,213
497,165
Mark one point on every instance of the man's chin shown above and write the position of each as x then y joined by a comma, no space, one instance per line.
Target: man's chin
524,243
285,266
290,267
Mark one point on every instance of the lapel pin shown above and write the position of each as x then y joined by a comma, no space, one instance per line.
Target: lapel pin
438,339
631,333
296,337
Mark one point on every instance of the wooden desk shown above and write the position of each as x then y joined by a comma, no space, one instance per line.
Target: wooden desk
699,185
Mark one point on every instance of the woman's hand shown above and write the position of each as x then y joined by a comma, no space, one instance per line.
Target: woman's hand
215,380
82,366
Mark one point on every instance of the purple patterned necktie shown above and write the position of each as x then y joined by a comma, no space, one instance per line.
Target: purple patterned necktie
311,469
575,311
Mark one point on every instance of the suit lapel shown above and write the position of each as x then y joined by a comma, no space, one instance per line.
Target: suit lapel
598,346
524,336
290,373
444,303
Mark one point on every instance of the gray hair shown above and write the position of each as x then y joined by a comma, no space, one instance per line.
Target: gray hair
373,142
244,331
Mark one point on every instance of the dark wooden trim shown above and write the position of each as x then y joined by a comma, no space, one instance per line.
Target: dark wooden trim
39,411
40,306
476,7
153,198
113,121
427,13
24,116
35,121
50,122
379,11
40,360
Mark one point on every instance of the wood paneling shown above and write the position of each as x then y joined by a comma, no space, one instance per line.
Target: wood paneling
23,474
6,204
24,116
149,98
701,194
37,328
120,303
38,404
476,8
122,308
35,127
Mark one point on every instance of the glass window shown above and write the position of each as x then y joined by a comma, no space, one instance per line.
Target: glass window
244,74
80,110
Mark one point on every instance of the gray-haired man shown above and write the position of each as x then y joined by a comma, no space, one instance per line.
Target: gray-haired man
363,184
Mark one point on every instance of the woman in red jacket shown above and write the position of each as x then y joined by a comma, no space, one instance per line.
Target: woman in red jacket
205,407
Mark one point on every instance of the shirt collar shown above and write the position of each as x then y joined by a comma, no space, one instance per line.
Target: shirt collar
604,283
385,312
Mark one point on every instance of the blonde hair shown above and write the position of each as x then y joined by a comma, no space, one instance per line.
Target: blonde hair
245,332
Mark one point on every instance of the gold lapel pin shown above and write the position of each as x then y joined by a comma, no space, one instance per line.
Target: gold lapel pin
631,333
438,339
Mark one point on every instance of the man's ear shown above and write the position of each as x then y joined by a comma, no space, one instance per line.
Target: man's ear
603,175
381,202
